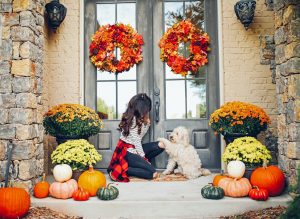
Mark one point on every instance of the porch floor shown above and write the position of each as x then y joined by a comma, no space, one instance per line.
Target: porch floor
159,200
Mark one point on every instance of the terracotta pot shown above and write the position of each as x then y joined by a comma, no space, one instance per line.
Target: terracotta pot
229,138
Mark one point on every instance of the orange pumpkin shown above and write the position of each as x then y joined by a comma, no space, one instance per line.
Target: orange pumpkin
91,180
217,178
235,187
41,189
63,190
270,178
14,203
81,195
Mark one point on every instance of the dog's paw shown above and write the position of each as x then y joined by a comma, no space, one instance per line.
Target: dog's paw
205,172
166,172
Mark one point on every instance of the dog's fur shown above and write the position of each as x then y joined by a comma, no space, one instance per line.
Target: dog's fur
182,153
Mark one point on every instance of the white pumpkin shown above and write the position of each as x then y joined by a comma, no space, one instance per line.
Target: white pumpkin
62,172
236,169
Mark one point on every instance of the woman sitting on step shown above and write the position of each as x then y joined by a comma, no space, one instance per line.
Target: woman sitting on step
131,157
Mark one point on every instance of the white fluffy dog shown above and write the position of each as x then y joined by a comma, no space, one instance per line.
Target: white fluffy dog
182,153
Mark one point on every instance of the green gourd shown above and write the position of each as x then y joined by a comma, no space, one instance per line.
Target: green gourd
108,193
212,192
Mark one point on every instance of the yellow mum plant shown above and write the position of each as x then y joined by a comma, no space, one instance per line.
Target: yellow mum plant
246,149
79,154
72,121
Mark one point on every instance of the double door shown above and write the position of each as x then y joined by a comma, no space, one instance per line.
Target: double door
177,100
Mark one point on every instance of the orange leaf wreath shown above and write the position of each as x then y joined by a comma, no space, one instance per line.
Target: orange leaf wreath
184,31
107,38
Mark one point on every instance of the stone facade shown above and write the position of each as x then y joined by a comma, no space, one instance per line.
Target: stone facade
21,61
287,58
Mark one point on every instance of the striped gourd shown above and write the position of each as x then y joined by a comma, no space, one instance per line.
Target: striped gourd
108,193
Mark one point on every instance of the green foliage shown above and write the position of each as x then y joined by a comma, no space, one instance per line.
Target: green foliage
105,109
293,210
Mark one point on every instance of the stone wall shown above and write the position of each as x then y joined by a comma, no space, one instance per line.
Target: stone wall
21,64
287,57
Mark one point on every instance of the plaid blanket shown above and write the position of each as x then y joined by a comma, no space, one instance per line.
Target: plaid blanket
118,165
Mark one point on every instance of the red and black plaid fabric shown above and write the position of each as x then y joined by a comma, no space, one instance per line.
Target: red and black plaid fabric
118,165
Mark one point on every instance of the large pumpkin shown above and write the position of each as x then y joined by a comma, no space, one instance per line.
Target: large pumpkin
270,178
41,189
63,190
108,193
235,187
217,178
91,180
14,203
236,169
212,192
62,172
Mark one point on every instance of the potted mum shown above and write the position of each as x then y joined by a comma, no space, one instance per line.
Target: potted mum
78,154
248,150
239,119
71,121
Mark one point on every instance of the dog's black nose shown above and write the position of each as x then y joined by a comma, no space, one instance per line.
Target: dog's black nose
171,137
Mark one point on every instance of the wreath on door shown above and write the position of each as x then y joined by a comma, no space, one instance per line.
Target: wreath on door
107,39
184,31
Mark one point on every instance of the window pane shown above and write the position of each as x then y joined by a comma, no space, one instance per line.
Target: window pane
172,75
126,90
126,13
105,75
175,99
196,99
195,12
201,73
106,14
128,75
106,99
173,13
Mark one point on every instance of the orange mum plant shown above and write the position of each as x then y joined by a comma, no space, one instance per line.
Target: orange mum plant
72,121
239,117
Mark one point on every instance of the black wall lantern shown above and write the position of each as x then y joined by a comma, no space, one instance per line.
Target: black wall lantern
244,10
55,13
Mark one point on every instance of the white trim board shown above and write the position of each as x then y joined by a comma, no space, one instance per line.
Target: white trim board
81,53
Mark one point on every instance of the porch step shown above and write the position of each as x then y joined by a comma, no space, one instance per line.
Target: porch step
161,200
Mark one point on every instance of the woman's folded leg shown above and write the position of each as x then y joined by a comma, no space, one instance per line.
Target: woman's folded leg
140,173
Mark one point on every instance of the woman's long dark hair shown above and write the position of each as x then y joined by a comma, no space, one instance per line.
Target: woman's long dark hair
139,106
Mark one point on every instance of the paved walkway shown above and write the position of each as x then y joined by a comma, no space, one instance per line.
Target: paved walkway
159,200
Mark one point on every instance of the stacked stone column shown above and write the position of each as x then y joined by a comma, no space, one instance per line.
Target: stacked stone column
287,58
21,59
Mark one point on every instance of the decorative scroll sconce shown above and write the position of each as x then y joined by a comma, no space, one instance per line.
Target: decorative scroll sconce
244,10
55,13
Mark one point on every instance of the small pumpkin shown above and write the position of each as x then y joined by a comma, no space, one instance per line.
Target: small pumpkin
62,172
41,189
236,169
212,192
81,195
270,178
108,193
259,194
14,203
217,178
235,187
91,180
63,190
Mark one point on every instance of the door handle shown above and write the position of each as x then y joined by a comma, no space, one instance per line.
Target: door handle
156,103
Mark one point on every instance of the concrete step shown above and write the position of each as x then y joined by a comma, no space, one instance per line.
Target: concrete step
163,200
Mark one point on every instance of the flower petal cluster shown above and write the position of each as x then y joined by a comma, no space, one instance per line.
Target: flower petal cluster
105,41
239,117
79,154
184,31
246,149
72,121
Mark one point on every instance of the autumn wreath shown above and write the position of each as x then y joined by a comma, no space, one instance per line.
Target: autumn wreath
184,31
107,38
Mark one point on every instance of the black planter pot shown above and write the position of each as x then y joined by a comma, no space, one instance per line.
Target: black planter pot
76,174
229,138
61,140
248,172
